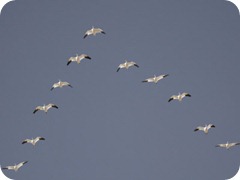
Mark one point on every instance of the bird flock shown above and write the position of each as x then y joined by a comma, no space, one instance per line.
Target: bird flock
127,64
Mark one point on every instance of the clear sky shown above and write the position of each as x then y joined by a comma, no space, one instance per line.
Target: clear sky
110,125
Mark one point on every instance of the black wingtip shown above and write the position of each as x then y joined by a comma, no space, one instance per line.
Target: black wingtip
88,57
51,88
170,99
85,36
35,111
136,65
55,106
144,81
196,130
118,69
103,32
70,86
68,62
24,142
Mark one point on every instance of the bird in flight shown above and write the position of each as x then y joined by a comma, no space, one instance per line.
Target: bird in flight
60,84
78,58
45,108
205,128
228,145
155,79
33,141
126,65
16,166
93,31
179,97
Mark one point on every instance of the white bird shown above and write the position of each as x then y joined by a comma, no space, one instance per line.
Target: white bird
205,128
60,84
155,79
179,97
228,145
93,31
33,141
16,166
126,65
45,108
78,58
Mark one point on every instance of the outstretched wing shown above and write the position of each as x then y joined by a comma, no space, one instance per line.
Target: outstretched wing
98,30
55,85
186,94
37,109
148,80
172,98
234,144
52,105
26,141
8,167
210,126
121,66
89,32
21,164
66,84
131,63
199,128
40,138
86,56
221,145
71,59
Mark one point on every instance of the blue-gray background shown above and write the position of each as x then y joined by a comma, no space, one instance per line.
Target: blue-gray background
111,126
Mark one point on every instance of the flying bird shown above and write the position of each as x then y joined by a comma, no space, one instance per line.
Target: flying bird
60,84
45,108
16,166
93,31
155,79
228,145
33,141
126,65
179,97
78,58
205,128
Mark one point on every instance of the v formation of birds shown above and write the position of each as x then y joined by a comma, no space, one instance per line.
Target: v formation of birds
127,64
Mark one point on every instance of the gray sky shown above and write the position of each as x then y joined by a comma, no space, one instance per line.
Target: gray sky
111,126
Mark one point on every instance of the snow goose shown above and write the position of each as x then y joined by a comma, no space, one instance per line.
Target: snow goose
16,166
228,145
179,97
45,108
33,141
93,31
155,79
126,65
78,58
205,128
60,84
